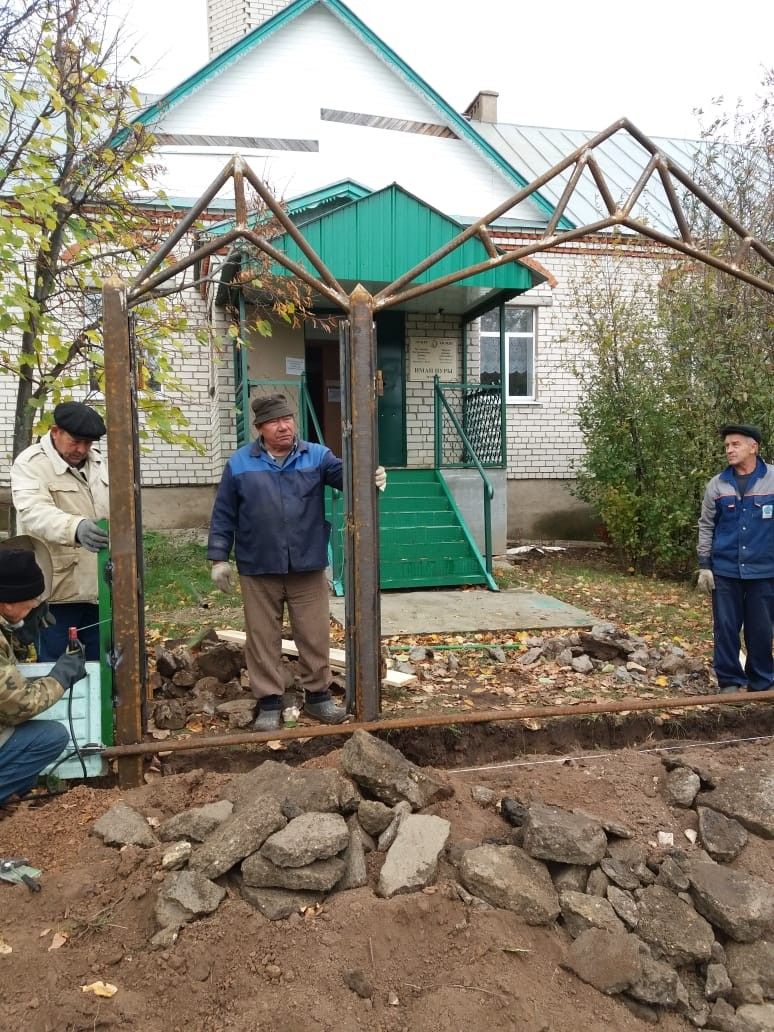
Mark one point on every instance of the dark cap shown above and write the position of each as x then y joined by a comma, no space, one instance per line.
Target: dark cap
743,429
79,420
271,406
21,579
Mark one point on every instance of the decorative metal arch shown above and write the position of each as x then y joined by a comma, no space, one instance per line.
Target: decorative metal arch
363,629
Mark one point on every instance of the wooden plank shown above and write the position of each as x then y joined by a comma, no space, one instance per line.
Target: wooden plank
394,678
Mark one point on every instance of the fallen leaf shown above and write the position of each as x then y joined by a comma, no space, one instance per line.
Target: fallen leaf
514,949
276,746
45,931
100,989
159,736
5,948
58,940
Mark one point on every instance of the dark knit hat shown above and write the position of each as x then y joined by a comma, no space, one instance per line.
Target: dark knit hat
21,579
271,406
743,429
79,420
24,544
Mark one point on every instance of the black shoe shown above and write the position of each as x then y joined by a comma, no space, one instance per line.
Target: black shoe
326,711
268,719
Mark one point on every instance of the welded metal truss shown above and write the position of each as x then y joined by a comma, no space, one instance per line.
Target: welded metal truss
673,178
361,525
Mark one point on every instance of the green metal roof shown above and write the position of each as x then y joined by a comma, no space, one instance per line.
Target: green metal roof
288,14
377,238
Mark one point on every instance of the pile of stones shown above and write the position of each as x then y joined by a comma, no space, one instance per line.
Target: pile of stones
660,926
607,650
212,680
285,838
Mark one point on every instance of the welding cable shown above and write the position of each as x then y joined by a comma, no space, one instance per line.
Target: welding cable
73,739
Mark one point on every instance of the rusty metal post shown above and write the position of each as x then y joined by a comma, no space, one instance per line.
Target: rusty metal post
125,529
361,526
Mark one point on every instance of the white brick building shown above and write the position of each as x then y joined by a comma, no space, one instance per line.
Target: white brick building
365,122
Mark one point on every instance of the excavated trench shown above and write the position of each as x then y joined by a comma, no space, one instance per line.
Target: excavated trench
474,745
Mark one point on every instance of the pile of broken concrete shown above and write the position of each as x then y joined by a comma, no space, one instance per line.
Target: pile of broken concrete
661,926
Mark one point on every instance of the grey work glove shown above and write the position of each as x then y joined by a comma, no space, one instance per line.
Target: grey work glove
222,577
69,668
380,478
706,582
91,536
37,620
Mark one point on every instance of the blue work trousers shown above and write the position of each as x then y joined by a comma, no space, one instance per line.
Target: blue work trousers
738,603
32,746
84,616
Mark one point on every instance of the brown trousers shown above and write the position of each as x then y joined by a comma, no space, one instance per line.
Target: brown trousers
264,597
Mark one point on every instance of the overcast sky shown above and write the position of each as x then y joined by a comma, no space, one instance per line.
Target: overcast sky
564,64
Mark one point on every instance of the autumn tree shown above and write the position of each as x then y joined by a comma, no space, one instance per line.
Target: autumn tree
669,364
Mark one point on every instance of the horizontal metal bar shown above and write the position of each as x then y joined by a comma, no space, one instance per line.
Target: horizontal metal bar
440,720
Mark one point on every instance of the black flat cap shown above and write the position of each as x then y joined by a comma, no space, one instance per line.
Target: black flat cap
743,429
79,420
271,406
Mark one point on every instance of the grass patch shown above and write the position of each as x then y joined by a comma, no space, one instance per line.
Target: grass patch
177,571
180,598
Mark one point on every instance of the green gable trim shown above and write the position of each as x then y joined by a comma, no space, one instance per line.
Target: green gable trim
287,15
343,192
381,236
214,67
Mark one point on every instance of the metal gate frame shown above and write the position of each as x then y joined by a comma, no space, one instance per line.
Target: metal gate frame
359,360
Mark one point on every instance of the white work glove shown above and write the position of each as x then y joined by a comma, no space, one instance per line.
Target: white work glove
91,535
380,478
706,582
222,577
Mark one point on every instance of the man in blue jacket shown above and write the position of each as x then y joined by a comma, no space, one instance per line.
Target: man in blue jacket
736,561
270,508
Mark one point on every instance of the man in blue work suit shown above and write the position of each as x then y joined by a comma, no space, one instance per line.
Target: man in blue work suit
270,507
736,561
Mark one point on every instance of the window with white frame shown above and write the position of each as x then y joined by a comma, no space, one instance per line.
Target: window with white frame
519,351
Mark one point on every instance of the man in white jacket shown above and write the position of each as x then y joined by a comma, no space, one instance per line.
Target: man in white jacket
60,489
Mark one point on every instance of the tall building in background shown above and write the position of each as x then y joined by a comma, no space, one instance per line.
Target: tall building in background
230,20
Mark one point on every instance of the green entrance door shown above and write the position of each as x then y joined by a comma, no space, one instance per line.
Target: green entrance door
391,411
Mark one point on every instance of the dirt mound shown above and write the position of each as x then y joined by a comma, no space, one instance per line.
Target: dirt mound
427,961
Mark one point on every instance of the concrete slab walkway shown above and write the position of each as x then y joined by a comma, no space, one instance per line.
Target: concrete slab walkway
461,611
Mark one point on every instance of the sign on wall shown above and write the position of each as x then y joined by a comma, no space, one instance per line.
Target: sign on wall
433,356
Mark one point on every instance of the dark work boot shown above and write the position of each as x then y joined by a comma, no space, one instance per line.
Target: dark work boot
321,706
269,714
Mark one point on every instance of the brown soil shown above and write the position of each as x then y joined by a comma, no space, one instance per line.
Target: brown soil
449,966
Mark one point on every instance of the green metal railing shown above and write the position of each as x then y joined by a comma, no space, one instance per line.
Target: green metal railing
460,453
480,412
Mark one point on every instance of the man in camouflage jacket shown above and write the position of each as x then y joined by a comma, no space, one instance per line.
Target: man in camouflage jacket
27,746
